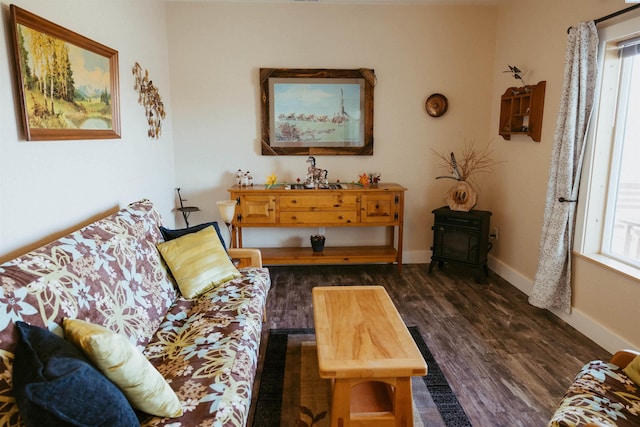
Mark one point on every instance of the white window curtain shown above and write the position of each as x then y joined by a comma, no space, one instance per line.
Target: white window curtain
552,282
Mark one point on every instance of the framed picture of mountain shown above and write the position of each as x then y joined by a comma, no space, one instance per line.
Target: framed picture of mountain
68,84
317,111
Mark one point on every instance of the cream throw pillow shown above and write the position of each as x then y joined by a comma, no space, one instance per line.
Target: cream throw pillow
198,262
633,370
125,366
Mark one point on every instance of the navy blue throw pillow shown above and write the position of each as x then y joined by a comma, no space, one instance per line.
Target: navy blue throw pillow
168,234
55,385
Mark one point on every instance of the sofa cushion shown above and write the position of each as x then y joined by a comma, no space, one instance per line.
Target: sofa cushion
633,370
55,385
208,348
198,262
169,234
125,366
600,395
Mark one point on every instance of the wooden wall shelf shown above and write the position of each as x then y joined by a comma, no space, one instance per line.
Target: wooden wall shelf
521,111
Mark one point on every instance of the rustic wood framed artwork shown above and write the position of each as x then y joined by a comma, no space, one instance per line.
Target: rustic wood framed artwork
68,84
317,111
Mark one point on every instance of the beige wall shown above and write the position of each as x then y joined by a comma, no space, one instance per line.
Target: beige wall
532,35
47,188
216,50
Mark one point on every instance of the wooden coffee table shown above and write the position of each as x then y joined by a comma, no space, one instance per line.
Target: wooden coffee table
366,349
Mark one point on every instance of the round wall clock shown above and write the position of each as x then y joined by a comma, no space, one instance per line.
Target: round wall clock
436,105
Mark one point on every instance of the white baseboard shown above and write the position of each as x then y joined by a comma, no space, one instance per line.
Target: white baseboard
578,319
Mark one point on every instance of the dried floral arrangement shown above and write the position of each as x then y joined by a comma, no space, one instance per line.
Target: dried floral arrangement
149,97
473,160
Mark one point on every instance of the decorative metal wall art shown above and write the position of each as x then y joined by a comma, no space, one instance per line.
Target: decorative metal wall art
149,98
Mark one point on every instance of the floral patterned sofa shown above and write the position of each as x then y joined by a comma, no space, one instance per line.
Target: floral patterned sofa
603,394
110,273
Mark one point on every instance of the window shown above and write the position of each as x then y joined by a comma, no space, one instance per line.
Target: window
610,190
621,238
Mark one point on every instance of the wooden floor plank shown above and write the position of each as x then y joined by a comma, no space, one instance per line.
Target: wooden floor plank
508,362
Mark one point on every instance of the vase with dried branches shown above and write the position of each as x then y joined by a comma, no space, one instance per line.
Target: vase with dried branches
474,160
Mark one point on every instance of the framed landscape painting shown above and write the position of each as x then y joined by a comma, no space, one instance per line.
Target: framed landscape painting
68,84
317,111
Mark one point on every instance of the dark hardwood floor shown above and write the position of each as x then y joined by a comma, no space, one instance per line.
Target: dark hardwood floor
508,362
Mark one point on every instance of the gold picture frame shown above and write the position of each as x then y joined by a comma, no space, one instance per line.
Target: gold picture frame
317,111
68,84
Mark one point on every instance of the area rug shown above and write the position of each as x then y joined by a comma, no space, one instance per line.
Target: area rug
292,394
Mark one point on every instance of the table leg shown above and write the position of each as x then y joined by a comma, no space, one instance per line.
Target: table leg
341,403
403,403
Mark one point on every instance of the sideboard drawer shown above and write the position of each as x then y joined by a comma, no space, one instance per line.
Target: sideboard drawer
319,202
327,217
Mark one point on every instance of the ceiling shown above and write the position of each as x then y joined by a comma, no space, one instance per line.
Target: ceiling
354,1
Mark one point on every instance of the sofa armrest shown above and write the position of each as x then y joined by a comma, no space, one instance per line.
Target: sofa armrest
245,257
623,357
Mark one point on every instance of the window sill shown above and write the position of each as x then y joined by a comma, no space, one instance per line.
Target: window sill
611,264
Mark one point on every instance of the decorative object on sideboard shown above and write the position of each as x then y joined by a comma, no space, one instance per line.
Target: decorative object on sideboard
463,196
436,105
317,242
227,212
150,99
57,102
317,111
244,179
271,181
185,210
369,178
316,177
374,178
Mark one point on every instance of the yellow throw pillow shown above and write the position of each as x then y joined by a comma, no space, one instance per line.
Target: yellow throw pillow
198,262
633,370
125,366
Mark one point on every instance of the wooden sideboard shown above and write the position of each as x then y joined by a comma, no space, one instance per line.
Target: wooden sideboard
342,205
